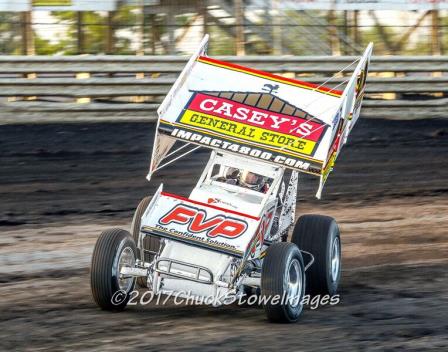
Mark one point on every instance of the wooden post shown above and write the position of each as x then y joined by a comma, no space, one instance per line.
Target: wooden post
204,15
80,32
145,31
436,47
239,18
267,22
170,13
346,47
153,34
110,37
141,30
355,30
27,33
333,34
276,28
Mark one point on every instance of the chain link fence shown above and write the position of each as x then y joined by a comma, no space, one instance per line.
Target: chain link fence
236,27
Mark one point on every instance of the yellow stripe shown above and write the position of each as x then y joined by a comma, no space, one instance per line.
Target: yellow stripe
269,77
191,118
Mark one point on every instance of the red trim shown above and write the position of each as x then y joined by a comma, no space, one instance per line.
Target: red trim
208,205
271,75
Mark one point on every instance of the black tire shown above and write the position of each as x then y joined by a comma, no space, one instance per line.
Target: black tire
280,258
317,234
249,292
104,267
150,243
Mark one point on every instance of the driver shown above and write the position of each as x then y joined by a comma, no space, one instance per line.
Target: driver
230,176
252,181
244,178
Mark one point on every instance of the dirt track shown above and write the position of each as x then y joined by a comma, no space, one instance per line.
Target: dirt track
61,185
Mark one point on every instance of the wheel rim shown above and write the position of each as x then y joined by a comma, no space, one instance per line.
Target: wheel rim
126,259
294,283
335,259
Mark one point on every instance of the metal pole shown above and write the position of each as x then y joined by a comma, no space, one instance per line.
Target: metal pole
239,17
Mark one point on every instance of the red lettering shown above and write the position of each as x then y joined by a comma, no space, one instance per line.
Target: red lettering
228,228
306,126
198,224
261,233
179,214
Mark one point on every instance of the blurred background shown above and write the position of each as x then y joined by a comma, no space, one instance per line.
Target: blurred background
94,60
80,82
252,27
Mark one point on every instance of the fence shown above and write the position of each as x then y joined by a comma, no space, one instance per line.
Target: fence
251,27
130,88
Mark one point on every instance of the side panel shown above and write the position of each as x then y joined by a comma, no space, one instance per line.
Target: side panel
255,246
347,114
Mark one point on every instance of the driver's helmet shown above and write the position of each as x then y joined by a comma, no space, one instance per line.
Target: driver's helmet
251,180
232,173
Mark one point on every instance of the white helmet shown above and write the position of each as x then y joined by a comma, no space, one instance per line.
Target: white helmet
232,173
251,180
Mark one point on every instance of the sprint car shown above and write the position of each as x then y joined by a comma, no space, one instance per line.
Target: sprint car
236,235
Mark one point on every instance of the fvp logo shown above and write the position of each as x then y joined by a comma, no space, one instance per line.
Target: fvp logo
197,222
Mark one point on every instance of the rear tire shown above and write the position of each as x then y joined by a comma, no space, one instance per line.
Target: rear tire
320,236
150,243
283,276
114,248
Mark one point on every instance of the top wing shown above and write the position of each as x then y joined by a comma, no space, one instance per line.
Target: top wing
235,109
346,115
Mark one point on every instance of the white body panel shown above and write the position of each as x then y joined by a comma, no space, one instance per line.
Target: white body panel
188,244
217,263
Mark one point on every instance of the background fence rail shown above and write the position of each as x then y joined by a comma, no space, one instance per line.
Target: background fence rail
94,88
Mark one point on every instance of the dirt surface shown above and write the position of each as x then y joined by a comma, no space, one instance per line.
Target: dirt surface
61,185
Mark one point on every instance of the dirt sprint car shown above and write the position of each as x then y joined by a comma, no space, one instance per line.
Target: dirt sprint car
229,238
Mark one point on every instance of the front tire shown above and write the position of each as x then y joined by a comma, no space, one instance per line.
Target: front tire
150,243
114,249
319,235
283,276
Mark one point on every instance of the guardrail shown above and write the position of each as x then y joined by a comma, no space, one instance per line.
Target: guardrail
74,88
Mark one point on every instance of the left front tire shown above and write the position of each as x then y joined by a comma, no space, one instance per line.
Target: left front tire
114,249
